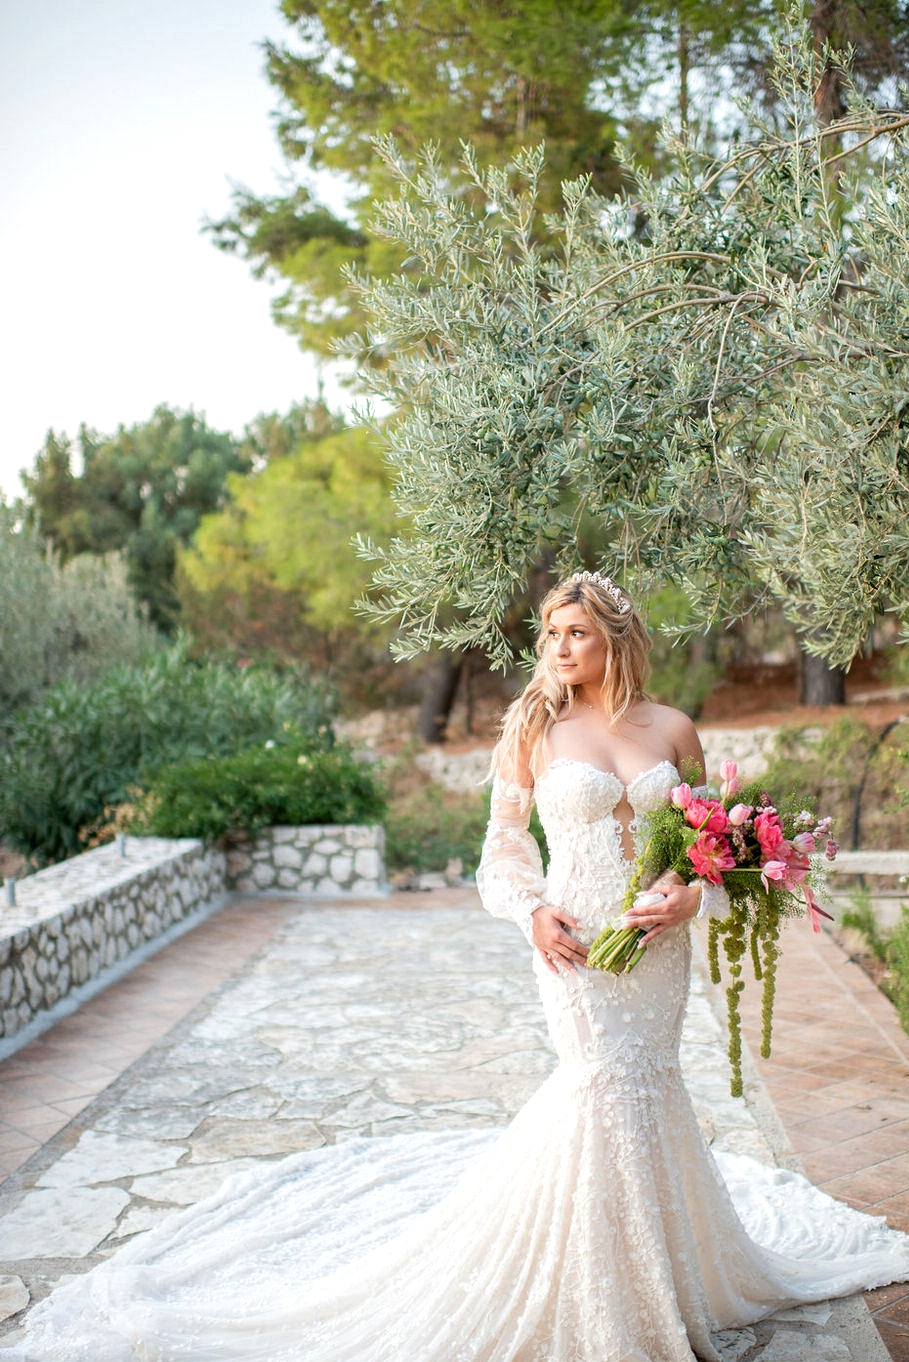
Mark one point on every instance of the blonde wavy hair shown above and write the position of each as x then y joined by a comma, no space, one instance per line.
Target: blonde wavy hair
530,717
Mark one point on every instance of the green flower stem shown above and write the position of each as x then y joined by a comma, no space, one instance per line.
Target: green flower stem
616,949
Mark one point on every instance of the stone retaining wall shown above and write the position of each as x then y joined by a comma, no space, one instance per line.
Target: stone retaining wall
319,862
77,919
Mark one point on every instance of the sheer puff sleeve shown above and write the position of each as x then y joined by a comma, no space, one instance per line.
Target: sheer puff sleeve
510,874
714,900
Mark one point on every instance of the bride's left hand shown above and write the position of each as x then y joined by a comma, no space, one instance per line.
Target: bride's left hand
679,904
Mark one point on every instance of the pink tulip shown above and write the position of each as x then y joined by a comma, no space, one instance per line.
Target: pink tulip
773,870
729,773
681,796
739,814
804,843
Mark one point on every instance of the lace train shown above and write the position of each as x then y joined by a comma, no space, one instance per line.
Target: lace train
542,1243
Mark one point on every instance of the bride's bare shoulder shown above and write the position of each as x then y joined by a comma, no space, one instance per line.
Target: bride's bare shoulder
663,718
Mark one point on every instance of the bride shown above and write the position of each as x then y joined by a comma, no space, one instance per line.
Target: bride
597,1227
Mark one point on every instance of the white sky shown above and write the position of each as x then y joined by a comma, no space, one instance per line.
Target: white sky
121,124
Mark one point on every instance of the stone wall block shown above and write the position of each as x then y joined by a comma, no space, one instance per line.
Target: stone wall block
17,992
367,863
263,875
316,864
289,857
288,879
6,986
341,866
361,835
329,846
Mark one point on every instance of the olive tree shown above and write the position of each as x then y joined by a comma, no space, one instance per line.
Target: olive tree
713,370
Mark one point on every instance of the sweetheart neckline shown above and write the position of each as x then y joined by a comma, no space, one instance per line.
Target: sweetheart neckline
626,786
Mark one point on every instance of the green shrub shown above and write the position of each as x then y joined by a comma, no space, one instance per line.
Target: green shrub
80,750
428,827
896,982
260,786
891,948
73,622
829,765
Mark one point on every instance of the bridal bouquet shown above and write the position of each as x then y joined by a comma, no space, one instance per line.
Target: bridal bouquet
769,858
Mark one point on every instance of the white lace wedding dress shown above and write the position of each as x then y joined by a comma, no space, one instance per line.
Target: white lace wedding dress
596,1227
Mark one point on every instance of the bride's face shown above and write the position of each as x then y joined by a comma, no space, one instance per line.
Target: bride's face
576,647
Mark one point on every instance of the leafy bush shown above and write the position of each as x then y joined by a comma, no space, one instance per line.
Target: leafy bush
890,948
78,751
829,766
429,826
58,622
296,782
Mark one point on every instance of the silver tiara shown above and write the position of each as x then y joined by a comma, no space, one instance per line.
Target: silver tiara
623,604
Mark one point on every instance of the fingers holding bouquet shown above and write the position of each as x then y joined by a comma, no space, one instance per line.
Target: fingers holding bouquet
667,903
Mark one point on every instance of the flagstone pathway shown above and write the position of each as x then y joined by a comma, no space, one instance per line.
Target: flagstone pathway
276,1026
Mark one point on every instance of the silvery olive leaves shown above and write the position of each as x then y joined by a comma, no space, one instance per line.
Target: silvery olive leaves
713,369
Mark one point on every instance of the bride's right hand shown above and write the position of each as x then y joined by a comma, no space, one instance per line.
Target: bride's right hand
552,940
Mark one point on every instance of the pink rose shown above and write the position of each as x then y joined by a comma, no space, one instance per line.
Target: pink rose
730,778
739,814
710,856
680,796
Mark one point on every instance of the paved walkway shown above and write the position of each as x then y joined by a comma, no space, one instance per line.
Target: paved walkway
275,1026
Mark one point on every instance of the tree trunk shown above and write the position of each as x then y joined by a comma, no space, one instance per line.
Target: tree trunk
819,683
440,685
684,56
829,94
